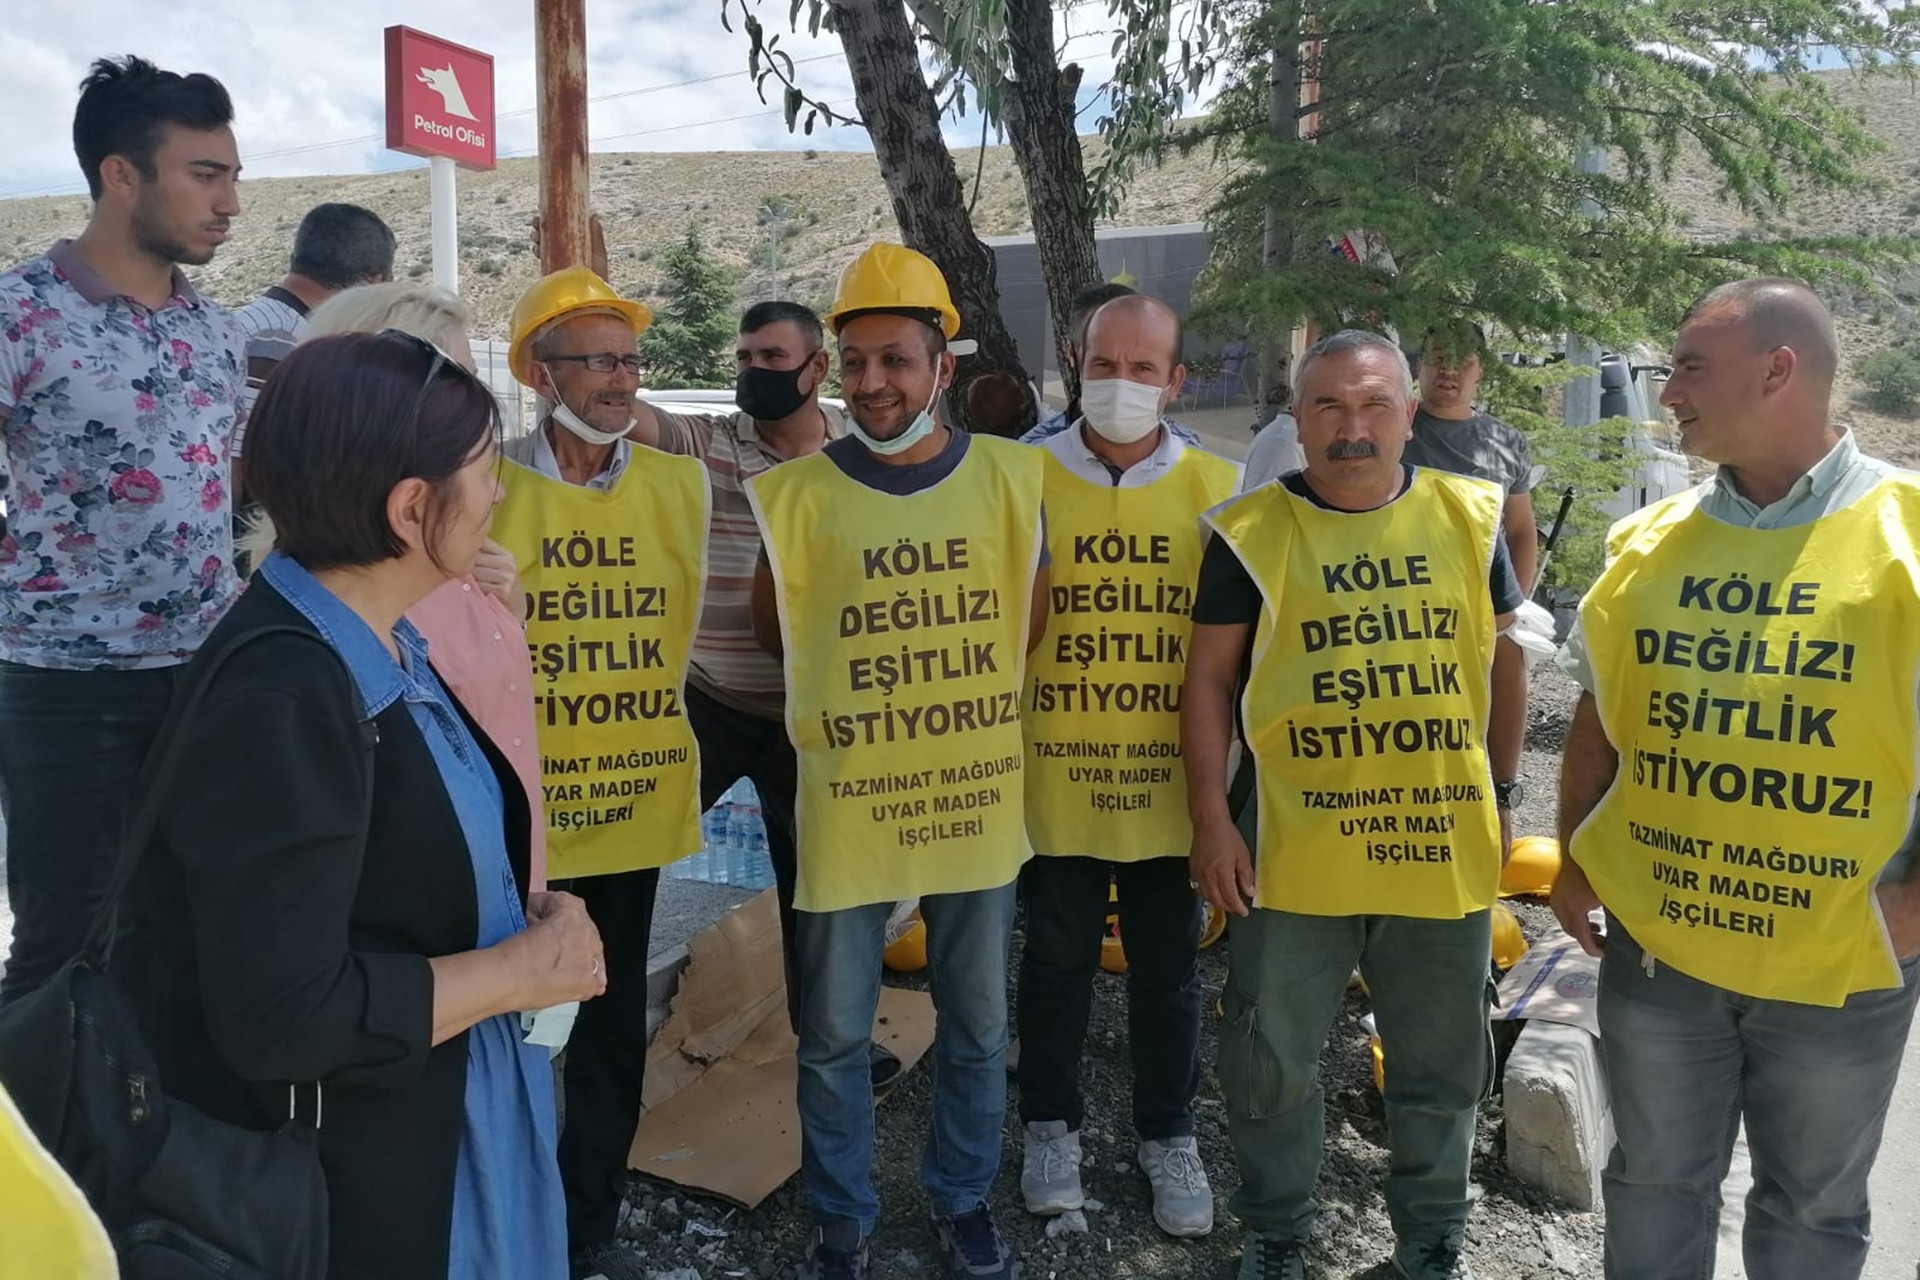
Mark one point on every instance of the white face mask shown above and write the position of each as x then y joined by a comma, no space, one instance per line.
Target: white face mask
579,426
1120,410
917,430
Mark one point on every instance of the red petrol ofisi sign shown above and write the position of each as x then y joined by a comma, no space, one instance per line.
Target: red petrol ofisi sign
439,98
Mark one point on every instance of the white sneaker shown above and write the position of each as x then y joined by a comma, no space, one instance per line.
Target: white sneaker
1050,1169
1182,1199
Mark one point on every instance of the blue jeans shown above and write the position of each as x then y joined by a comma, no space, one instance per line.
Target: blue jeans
71,747
968,935
1687,1061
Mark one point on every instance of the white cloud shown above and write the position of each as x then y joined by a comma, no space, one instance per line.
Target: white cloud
308,79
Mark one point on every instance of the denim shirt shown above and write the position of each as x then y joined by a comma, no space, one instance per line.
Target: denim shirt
509,1218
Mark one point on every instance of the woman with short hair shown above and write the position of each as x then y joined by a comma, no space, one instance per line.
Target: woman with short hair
337,892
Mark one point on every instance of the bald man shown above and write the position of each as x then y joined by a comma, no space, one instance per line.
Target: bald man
1106,799
1751,654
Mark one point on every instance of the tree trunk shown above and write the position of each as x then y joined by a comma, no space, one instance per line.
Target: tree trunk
1283,106
1039,108
903,119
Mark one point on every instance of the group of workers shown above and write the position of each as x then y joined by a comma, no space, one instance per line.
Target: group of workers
984,675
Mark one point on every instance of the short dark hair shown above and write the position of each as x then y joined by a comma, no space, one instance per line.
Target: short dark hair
762,314
345,418
1090,300
1779,312
341,245
1457,340
124,105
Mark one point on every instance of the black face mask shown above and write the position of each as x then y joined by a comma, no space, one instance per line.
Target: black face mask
769,394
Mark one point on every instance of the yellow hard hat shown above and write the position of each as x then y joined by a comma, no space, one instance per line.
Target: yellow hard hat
1509,943
563,292
1532,864
1214,927
892,277
1113,952
908,952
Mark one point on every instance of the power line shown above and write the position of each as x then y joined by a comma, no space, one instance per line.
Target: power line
79,185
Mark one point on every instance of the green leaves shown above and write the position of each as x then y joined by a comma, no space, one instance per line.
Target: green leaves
691,342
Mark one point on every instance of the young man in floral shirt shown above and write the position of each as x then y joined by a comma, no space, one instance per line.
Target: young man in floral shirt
119,402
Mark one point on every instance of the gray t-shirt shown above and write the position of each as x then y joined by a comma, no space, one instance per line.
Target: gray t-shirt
1481,446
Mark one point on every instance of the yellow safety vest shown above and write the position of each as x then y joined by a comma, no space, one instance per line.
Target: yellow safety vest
51,1230
1104,777
1758,685
1366,708
613,581
904,621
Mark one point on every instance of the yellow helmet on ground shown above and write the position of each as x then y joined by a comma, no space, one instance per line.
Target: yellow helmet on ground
562,293
1531,865
892,277
1509,943
908,952
1113,952
1213,927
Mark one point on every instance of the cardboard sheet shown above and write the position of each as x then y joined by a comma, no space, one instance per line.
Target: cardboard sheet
718,1110
1555,981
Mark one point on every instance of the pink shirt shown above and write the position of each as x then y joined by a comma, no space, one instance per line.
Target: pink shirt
479,649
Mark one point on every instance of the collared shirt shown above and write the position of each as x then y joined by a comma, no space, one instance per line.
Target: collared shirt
728,664
536,451
1073,451
119,423
1048,428
480,649
509,1217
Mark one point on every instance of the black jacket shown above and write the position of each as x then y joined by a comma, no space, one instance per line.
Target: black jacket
307,865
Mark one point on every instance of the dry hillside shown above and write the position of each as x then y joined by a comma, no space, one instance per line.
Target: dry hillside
835,203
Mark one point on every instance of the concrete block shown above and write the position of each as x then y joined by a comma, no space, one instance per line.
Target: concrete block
1559,1117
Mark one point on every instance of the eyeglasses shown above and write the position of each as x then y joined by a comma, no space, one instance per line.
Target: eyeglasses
600,362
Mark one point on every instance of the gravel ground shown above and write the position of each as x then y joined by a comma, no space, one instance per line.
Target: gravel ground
1514,1234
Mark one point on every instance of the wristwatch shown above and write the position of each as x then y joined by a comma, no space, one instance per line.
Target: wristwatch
1509,795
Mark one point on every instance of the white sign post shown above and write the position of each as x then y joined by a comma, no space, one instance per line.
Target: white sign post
446,225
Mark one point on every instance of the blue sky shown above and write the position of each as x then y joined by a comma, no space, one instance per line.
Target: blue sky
307,79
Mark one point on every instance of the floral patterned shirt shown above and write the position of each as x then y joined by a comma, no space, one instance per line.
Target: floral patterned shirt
117,423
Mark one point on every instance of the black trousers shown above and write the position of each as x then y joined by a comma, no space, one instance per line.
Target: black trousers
1066,902
607,1058
607,1052
736,745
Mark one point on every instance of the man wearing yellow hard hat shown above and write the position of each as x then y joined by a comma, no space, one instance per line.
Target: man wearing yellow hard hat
903,583
611,541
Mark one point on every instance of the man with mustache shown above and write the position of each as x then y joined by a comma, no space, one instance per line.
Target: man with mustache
1366,594
120,405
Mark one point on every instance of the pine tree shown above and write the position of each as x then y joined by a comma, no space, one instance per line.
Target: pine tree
1462,140
691,341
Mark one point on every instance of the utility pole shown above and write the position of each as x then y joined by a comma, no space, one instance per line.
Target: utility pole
560,66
